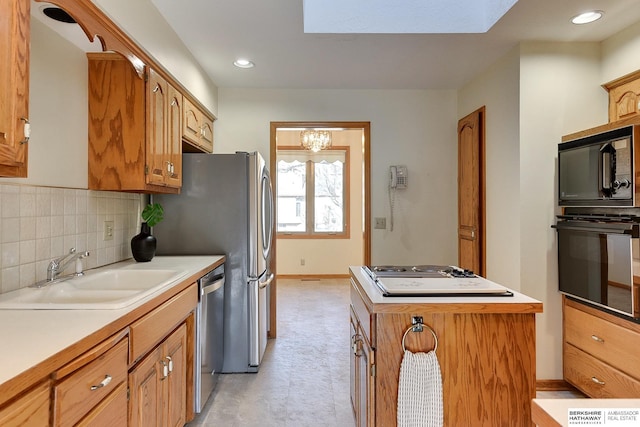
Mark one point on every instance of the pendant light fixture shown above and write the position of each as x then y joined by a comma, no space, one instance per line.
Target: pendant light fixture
315,139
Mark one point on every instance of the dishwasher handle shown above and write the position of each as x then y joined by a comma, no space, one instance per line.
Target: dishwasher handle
212,286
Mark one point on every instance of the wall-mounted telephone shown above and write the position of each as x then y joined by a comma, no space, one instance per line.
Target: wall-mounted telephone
398,177
398,180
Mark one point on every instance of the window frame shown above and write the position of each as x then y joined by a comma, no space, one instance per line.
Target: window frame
310,199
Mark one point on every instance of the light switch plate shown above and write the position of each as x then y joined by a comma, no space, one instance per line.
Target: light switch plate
107,233
380,223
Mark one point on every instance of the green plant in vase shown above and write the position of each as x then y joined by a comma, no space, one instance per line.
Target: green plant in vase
143,245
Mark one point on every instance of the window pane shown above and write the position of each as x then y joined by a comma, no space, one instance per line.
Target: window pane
328,197
291,193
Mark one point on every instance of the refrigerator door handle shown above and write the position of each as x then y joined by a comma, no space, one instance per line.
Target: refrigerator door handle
266,283
262,285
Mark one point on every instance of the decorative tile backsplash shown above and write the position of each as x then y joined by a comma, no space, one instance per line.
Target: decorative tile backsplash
38,224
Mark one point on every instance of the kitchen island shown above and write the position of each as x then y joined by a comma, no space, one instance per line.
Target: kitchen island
485,348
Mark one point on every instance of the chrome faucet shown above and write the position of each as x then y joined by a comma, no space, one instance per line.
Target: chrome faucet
57,265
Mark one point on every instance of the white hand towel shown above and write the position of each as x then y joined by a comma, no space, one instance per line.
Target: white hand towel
420,391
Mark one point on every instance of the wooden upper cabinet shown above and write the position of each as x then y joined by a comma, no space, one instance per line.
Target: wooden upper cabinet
134,142
197,127
14,86
624,97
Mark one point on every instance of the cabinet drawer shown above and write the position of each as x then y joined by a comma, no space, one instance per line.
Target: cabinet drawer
112,411
80,391
595,378
613,344
147,332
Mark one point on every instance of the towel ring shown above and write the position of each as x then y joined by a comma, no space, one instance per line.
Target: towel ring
417,327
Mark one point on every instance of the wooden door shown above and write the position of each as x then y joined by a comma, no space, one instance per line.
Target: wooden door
175,401
14,86
174,138
206,142
191,123
145,387
156,128
471,189
32,409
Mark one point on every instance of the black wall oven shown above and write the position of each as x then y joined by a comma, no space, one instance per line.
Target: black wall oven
599,260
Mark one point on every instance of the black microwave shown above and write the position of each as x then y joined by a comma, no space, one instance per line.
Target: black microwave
597,169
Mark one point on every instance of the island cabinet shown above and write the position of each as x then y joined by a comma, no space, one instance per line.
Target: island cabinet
197,127
14,87
485,348
135,128
597,350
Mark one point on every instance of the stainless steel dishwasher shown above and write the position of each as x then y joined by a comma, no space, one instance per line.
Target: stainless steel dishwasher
209,349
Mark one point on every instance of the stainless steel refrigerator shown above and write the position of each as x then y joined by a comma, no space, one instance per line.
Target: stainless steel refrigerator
226,207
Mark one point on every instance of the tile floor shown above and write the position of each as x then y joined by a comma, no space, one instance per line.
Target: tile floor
304,377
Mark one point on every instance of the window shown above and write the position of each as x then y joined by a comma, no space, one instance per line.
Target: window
311,192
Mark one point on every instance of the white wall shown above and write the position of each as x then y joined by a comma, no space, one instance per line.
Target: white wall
328,256
498,90
534,95
57,112
621,54
144,23
412,128
559,93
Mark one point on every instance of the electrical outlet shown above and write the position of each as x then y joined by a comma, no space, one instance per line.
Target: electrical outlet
301,261
380,223
107,231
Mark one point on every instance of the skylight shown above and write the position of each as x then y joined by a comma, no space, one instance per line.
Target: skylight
403,16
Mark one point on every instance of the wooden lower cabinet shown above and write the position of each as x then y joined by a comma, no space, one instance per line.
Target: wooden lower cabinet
362,372
487,360
598,350
158,384
89,381
31,409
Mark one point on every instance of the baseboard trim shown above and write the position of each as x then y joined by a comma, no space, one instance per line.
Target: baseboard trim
554,385
312,276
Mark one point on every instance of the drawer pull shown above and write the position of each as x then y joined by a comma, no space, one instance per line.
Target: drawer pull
597,381
105,382
596,338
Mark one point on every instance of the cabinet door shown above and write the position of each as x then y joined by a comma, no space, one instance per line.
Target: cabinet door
206,141
191,123
14,86
174,138
145,387
366,400
32,409
157,107
175,354
353,365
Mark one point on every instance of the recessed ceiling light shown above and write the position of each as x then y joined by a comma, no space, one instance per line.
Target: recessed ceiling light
243,63
587,17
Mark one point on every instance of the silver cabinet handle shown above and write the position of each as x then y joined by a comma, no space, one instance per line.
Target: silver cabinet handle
27,130
596,338
170,363
597,381
165,370
157,88
105,382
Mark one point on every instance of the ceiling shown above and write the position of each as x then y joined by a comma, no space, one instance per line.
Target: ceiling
271,34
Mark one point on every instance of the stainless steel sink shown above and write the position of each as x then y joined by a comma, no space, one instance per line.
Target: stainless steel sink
97,290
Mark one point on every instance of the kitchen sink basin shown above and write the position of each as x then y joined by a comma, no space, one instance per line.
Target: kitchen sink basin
96,290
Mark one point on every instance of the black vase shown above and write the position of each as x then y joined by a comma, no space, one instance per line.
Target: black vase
143,245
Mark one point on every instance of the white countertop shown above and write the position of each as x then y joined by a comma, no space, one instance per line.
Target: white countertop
29,337
558,409
375,295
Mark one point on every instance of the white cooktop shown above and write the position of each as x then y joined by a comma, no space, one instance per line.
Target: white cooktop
404,286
